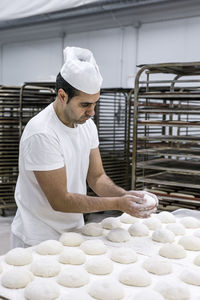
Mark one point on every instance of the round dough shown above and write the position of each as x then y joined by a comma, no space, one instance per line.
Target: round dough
190,242
128,219
197,233
135,276
19,257
16,278
152,223
71,239
49,247
171,290
45,267
177,229
42,289
73,278
166,217
157,266
172,251
118,235
72,256
163,236
99,266
190,276
138,229
106,289
197,260
111,223
190,222
124,255
147,295
93,247
92,229
150,201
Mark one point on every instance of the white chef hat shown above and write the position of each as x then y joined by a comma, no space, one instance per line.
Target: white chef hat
80,70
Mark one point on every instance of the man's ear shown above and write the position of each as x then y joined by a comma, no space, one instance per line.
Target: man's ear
62,96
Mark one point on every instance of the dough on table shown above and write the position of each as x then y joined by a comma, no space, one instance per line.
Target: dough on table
93,247
99,265
45,267
176,228
190,222
72,256
42,289
111,223
190,276
157,266
152,223
135,276
16,278
173,251
123,255
19,257
106,289
73,277
92,229
197,233
190,242
128,219
75,295
49,247
163,236
118,235
166,217
197,260
172,290
138,229
147,295
71,239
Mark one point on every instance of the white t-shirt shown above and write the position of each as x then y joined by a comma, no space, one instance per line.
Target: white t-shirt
48,144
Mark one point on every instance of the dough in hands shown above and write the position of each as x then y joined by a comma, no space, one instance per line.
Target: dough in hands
71,239
190,276
42,289
124,255
173,251
150,201
93,247
166,217
106,289
163,236
135,276
16,278
190,242
138,229
177,229
72,256
157,266
92,229
99,266
190,222
49,247
197,260
147,295
73,278
45,267
128,219
118,235
19,257
111,223
172,290
152,223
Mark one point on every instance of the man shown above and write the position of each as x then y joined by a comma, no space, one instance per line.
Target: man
58,153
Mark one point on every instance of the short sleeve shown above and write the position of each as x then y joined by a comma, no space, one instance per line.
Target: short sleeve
42,152
94,136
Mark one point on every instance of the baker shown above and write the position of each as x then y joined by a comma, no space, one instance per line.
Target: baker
59,153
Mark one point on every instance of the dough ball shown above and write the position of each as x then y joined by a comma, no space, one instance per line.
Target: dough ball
16,278
128,219
45,267
190,242
163,236
99,266
71,239
197,233
138,229
92,229
135,276
111,223
172,251
150,201
19,257
177,229
166,217
190,222
72,256
42,289
124,255
73,278
197,260
49,247
118,235
157,266
171,290
147,295
152,223
93,247
190,276
106,289
76,295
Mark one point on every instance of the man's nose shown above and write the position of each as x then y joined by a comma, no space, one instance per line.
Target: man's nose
91,112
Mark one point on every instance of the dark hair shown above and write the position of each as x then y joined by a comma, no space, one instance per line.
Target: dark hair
69,90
